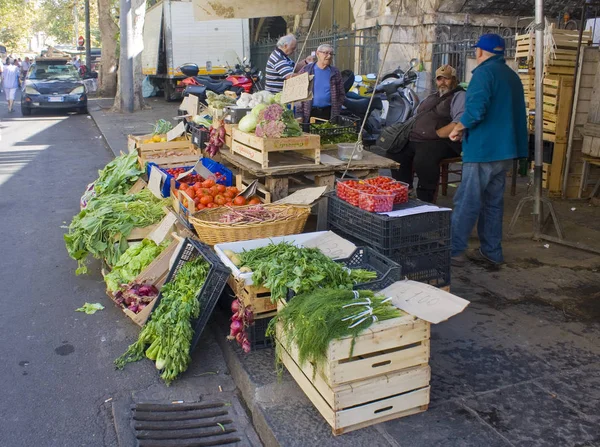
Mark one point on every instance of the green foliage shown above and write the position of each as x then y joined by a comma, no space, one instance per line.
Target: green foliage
17,20
168,335
311,321
282,266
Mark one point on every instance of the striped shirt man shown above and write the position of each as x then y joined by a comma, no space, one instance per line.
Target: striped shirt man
279,66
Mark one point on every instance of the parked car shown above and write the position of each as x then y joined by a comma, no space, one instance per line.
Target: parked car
53,83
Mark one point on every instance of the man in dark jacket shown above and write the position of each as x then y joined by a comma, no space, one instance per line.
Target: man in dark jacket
428,143
328,88
494,132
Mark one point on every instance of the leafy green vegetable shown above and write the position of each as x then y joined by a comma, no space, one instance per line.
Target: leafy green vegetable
90,309
167,336
292,127
161,127
282,266
333,138
118,176
311,321
102,228
135,259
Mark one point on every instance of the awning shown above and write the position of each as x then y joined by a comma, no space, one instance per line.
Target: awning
246,9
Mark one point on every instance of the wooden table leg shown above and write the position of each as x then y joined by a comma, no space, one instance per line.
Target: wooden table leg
322,213
325,180
278,187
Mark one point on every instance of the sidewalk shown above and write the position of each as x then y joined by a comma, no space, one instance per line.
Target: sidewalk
520,366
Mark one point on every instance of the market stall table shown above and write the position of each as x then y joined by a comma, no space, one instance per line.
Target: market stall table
284,166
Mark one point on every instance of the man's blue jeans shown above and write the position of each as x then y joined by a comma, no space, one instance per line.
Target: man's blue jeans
480,198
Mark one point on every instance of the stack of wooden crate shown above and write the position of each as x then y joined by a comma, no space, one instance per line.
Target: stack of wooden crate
380,375
559,80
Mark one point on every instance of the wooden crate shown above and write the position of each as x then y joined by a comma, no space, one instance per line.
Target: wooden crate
386,378
258,149
257,297
228,130
136,142
261,192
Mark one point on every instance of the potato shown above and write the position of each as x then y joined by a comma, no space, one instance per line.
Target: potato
245,270
236,260
229,253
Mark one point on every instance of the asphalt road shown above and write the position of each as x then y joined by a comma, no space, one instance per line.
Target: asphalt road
56,365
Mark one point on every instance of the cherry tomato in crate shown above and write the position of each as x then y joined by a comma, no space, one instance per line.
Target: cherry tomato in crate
379,181
376,202
400,190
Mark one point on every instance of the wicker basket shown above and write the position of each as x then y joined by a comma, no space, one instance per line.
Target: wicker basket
210,231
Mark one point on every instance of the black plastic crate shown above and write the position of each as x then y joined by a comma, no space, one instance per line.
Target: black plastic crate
386,233
200,136
212,288
345,124
428,263
388,271
257,334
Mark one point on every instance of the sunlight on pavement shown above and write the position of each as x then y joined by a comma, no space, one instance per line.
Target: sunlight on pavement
15,133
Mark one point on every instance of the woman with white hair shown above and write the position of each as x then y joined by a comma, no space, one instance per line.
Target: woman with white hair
279,66
11,82
328,88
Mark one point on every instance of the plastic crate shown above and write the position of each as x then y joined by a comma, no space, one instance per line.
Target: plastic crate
257,334
200,135
214,166
387,233
344,125
212,288
388,271
428,263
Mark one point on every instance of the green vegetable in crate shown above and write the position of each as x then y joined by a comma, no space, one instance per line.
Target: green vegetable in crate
167,336
119,175
311,321
131,263
282,266
102,228
162,127
334,138
218,101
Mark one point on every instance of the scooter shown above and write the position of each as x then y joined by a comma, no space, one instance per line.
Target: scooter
198,85
402,101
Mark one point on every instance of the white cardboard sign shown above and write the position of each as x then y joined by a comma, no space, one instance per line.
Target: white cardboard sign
306,196
332,245
424,301
192,105
156,179
160,233
296,88
177,131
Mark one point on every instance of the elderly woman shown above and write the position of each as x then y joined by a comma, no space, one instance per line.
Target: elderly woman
328,88
280,66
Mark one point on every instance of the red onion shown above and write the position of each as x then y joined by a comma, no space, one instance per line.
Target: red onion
235,306
248,317
235,328
239,337
246,346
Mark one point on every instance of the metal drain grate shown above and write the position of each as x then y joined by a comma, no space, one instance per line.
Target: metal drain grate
183,425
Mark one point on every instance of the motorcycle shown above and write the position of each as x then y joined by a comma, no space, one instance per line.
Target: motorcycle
393,100
238,80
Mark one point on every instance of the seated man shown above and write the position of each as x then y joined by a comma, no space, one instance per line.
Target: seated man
428,143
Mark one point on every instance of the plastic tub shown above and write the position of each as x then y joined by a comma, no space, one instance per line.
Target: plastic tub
376,202
345,151
400,189
349,190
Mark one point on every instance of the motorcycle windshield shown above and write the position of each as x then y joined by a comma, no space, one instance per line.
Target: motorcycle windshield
231,58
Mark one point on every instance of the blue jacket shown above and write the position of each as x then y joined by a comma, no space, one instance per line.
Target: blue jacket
495,116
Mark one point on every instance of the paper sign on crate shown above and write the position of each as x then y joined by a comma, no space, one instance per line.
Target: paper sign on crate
155,181
332,245
164,228
425,301
177,131
198,168
306,196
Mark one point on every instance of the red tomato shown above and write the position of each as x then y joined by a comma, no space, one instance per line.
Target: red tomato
221,188
205,200
239,200
254,201
220,200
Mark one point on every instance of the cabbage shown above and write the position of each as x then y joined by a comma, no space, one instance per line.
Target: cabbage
257,109
276,99
248,123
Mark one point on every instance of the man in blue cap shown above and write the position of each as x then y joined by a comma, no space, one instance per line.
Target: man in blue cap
493,129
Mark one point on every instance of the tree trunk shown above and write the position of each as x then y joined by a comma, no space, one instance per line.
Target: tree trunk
138,13
109,31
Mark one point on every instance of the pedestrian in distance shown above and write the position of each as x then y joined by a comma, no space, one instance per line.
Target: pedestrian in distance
280,66
328,88
493,130
25,67
428,143
10,82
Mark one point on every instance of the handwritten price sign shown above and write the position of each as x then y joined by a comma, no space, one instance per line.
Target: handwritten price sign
425,301
332,245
